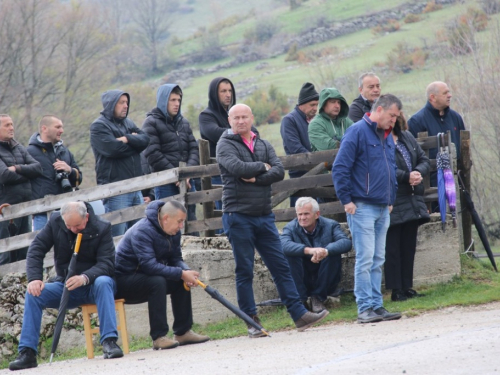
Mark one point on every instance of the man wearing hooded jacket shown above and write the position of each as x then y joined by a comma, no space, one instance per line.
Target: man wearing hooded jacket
171,140
329,125
117,144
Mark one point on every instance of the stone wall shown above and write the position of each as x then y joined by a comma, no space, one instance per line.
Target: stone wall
437,260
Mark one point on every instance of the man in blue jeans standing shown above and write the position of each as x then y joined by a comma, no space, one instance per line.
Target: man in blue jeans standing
248,166
364,175
93,281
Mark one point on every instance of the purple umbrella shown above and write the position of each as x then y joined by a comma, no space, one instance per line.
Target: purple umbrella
446,182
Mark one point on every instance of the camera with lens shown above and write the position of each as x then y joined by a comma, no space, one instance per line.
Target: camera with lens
62,177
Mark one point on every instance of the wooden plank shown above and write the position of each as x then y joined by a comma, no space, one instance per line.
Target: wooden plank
54,202
310,158
465,165
302,183
320,192
199,171
280,197
206,183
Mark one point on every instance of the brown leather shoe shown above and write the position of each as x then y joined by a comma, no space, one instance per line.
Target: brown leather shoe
191,337
316,304
164,343
308,319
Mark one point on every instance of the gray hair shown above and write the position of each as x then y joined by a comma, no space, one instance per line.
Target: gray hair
301,202
74,207
433,88
171,207
362,77
386,101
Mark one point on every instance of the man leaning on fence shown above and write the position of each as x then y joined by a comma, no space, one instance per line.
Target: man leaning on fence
93,281
117,144
313,246
364,174
60,171
149,265
17,169
249,166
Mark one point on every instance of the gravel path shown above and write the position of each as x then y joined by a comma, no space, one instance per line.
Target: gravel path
449,341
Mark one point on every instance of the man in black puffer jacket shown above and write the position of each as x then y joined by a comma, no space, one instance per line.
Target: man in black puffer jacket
149,266
171,140
17,168
57,162
92,283
117,144
248,167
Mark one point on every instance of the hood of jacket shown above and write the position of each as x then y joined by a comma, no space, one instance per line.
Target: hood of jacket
333,93
109,100
152,215
213,99
162,97
36,140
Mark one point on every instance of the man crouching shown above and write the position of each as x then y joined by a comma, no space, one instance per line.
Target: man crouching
149,266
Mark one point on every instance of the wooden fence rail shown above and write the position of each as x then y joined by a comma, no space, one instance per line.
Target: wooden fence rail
316,182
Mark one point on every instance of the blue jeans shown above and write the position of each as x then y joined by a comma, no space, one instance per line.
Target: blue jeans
368,229
39,221
247,233
23,225
101,292
119,202
169,190
315,279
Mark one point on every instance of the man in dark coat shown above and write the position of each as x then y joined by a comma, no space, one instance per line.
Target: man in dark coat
249,166
60,171
17,169
171,140
92,283
117,144
437,117
313,246
294,127
149,266
369,91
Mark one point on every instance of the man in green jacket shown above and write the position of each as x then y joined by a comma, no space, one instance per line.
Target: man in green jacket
331,122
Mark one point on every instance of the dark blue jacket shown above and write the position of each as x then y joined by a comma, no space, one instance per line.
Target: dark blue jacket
116,160
428,120
327,234
146,248
365,167
295,137
46,154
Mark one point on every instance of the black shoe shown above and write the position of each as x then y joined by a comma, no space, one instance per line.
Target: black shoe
337,292
386,315
398,295
253,332
410,293
111,349
25,359
316,305
369,316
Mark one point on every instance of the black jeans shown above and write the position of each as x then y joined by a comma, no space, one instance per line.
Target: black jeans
400,246
140,288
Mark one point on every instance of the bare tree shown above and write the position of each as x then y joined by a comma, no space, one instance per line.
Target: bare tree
153,19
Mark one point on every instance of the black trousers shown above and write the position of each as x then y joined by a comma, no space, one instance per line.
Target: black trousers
401,243
140,288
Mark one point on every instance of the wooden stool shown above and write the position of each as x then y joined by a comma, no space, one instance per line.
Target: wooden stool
121,327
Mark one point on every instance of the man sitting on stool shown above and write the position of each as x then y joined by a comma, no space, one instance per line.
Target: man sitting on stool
313,246
149,266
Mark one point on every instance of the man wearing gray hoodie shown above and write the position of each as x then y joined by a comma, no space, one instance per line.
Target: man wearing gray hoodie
117,144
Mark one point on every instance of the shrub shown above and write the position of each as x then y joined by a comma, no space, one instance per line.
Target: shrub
191,114
268,107
404,58
292,54
390,26
461,34
432,7
490,6
412,18
263,30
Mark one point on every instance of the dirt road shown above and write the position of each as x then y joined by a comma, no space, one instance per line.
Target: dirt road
449,341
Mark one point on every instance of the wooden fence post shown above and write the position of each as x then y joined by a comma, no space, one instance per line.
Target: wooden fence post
206,184
183,193
464,166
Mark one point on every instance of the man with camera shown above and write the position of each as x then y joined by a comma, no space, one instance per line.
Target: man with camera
60,171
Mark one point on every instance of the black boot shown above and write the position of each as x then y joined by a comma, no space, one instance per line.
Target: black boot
111,349
25,359
398,295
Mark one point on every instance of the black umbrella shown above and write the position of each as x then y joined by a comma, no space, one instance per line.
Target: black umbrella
214,293
65,297
12,228
477,222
